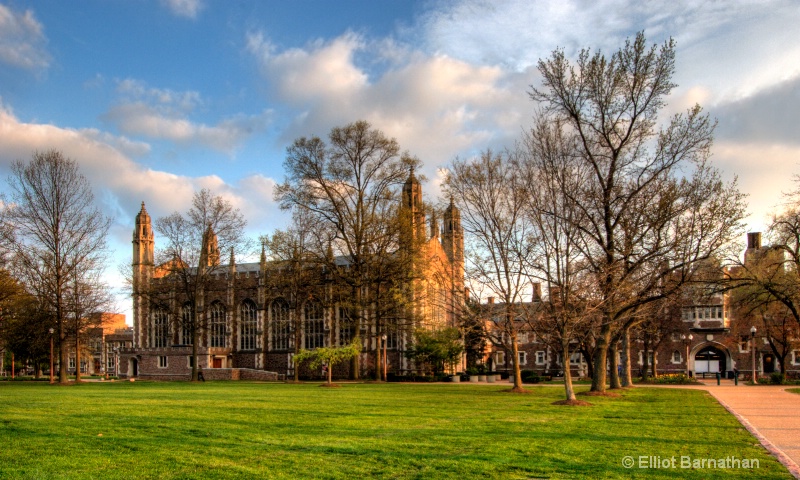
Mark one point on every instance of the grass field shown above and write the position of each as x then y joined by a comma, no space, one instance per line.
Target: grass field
259,430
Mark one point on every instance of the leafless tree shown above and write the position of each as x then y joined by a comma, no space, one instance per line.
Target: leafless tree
189,258
60,233
491,195
351,184
550,169
296,273
651,204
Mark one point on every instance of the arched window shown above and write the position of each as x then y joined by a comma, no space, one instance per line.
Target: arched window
187,325
217,323
279,314
314,323
159,331
248,318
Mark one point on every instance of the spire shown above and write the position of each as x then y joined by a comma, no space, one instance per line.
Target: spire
209,256
232,264
434,226
263,257
143,239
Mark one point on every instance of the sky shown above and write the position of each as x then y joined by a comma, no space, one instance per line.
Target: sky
156,99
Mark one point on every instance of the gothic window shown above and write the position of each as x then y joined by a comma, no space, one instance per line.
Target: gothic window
279,313
346,328
186,325
217,323
676,357
314,325
159,331
248,316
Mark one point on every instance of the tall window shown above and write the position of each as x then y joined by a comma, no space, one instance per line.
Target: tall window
314,325
279,314
217,321
159,333
346,328
186,325
248,316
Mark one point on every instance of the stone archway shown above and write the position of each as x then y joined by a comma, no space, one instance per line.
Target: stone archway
710,357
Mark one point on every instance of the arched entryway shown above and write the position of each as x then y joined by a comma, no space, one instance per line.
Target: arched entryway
710,359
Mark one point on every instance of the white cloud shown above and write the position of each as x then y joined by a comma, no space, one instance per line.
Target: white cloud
163,114
731,49
436,106
22,40
184,8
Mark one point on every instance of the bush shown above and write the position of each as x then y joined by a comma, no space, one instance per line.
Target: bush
672,379
777,378
529,376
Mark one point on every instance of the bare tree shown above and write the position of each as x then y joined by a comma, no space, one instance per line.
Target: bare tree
651,205
491,196
351,185
60,234
190,256
295,272
550,169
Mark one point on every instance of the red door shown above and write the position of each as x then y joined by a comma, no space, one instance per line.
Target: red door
217,363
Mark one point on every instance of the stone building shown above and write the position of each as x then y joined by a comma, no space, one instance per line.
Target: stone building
251,326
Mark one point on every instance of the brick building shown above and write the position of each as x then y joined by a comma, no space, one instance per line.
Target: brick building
708,337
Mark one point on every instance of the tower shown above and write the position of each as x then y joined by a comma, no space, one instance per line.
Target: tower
453,245
413,208
142,265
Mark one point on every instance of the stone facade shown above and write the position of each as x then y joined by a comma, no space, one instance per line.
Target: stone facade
249,326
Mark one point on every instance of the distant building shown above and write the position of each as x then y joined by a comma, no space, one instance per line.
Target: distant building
711,340
249,324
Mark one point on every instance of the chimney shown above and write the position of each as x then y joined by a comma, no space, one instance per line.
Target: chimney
754,240
537,291
491,300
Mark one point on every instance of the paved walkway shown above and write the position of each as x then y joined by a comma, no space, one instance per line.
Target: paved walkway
770,413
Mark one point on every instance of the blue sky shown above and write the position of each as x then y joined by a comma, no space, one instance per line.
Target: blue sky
157,99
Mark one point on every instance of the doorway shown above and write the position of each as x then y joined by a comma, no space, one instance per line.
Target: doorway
769,363
216,363
709,360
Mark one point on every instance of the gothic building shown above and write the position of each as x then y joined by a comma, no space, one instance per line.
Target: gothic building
251,326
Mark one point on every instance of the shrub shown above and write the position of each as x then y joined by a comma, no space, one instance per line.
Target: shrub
672,379
777,378
529,376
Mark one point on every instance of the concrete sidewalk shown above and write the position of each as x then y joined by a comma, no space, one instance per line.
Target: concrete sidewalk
770,413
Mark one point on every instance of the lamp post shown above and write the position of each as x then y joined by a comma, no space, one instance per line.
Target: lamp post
688,340
753,347
384,338
51,356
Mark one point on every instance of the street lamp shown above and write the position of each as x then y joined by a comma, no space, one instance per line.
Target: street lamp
51,356
753,347
384,338
688,340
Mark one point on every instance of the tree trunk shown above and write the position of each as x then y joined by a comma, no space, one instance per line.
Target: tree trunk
589,361
626,379
645,360
63,354
600,360
298,331
194,351
614,365
515,362
569,391
77,355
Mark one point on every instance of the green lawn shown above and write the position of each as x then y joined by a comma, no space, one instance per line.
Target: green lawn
259,430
